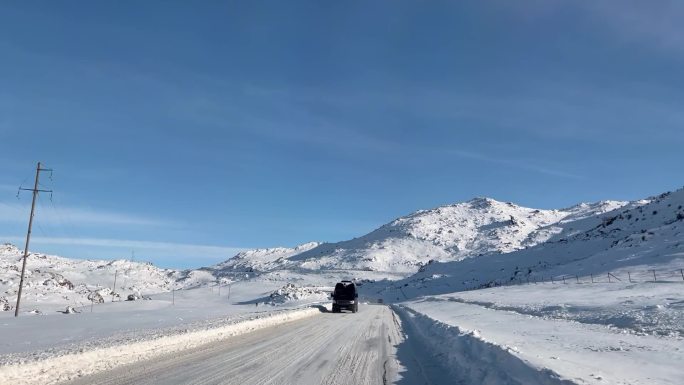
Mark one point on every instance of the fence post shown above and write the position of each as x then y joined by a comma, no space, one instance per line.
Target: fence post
592,277
681,271
577,277
629,276
614,276
563,279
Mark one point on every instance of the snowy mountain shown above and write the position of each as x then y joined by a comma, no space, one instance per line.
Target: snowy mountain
243,265
53,282
451,247
263,259
478,227
643,238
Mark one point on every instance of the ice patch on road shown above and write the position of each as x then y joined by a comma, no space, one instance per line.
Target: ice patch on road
63,368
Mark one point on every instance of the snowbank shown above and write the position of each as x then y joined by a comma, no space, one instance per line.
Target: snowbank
63,368
467,357
485,346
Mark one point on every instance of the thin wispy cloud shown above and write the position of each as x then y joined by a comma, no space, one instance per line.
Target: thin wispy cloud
656,23
143,247
278,115
560,108
15,212
516,163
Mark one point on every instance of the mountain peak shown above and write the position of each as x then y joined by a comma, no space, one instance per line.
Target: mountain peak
487,203
484,202
482,199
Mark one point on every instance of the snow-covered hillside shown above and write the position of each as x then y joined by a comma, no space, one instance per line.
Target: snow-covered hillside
262,260
52,283
638,238
456,247
478,227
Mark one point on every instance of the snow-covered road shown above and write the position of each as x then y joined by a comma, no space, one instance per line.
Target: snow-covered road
326,349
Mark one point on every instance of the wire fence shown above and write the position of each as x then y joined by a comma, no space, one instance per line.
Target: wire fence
624,276
103,294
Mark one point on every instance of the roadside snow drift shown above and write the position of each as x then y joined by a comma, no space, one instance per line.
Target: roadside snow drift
62,368
514,340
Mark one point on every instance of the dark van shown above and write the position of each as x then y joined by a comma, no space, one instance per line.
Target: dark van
345,297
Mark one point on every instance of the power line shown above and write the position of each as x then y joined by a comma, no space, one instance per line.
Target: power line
65,222
42,205
67,227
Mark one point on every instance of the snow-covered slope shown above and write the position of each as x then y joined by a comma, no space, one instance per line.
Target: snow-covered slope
263,259
473,242
640,237
478,227
52,282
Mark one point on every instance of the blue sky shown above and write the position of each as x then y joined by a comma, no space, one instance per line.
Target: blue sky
187,131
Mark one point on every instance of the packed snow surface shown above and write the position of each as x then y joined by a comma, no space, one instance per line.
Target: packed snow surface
333,349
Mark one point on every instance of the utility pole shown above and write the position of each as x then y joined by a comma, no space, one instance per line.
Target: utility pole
114,289
28,233
128,271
